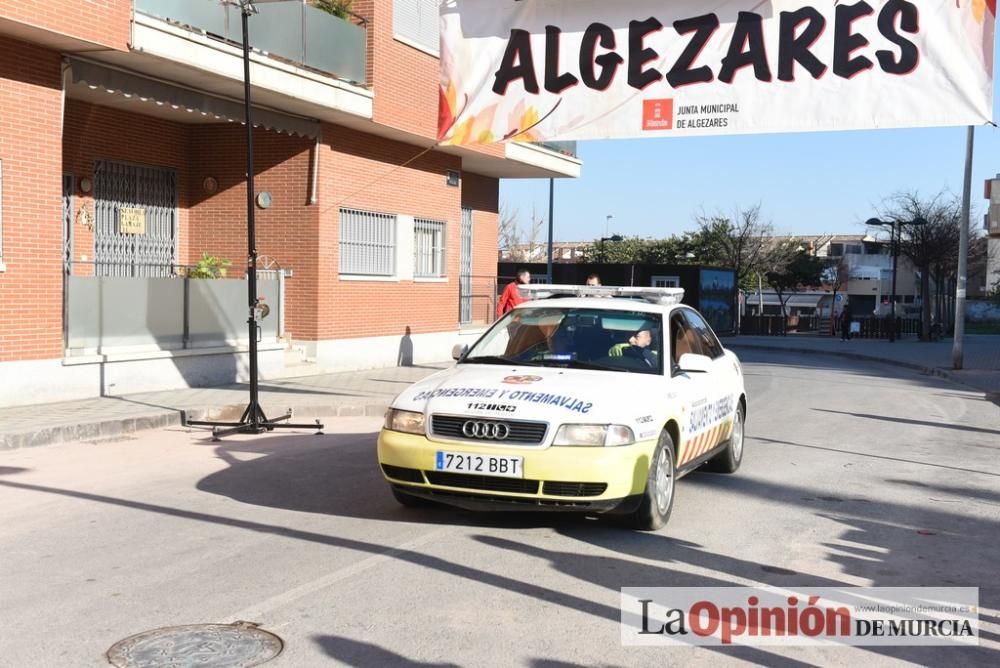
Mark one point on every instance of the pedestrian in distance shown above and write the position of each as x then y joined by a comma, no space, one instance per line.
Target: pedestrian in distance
511,296
845,324
593,280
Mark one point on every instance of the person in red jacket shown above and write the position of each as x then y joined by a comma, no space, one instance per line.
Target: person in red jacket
511,297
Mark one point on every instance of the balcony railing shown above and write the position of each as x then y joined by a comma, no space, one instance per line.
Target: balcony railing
291,31
564,147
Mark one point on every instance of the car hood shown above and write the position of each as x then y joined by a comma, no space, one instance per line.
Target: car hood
554,395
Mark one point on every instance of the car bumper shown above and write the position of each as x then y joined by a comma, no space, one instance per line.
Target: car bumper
584,479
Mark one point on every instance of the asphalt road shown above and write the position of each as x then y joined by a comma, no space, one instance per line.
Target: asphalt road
854,474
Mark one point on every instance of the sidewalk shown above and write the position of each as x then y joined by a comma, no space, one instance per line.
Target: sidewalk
981,354
348,393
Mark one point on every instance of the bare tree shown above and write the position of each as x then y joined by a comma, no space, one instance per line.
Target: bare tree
931,247
739,242
519,243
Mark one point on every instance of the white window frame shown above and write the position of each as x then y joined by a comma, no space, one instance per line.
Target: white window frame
669,281
375,240
3,267
414,40
437,255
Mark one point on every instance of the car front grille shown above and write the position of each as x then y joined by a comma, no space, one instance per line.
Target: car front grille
521,433
574,488
489,483
400,473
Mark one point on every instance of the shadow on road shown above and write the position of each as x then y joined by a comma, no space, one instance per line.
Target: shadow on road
919,423
362,654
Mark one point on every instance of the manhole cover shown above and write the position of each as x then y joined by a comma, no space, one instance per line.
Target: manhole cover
236,645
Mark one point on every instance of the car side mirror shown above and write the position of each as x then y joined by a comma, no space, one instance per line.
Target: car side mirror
691,363
458,352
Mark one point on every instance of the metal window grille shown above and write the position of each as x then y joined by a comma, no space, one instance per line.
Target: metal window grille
119,185
367,243
418,21
428,248
465,270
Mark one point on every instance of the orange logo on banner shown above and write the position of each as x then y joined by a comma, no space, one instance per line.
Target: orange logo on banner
658,114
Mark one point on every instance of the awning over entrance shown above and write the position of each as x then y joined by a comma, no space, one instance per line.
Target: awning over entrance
164,94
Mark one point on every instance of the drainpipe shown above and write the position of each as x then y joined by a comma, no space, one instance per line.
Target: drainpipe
314,181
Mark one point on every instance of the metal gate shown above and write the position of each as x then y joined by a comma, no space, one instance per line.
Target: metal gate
145,244
465,270
68,188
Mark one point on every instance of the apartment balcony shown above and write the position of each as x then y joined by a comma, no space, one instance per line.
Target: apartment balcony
562,147
290,31
991,222
873,262
186,56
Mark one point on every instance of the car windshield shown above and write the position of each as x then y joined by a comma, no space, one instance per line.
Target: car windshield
584,338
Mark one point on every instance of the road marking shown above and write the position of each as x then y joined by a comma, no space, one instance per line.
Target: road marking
267,605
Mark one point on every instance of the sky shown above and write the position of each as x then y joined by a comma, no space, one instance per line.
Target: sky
806,183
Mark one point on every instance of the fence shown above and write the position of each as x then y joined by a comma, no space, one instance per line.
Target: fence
880,328
478,299
176,312
871,327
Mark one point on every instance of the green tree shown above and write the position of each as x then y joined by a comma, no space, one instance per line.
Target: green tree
634,250
339,8
793,269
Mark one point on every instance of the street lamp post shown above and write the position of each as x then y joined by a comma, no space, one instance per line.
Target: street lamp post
894,245
253,420
614,237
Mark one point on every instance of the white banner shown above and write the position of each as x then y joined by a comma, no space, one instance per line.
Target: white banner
537,70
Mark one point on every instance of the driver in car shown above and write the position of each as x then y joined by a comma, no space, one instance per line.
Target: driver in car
638,347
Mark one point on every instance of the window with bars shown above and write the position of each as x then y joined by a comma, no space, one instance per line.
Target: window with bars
418,21
367,243
428,248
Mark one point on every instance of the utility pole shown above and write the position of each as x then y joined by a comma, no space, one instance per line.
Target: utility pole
552,190
895,263
963,254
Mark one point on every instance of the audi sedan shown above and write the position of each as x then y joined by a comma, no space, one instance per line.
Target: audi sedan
581,403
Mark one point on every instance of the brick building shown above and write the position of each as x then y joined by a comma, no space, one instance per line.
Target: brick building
122,160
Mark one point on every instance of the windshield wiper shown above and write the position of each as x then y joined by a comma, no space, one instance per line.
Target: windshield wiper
495,359
600,367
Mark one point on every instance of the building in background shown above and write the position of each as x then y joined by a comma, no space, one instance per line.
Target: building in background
122,160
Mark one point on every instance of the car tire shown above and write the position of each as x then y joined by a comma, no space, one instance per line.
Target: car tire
409,500
729,460
658,497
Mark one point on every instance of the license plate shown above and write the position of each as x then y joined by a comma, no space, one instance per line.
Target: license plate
494,465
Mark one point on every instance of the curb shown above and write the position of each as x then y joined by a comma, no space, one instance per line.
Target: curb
913,366
118,427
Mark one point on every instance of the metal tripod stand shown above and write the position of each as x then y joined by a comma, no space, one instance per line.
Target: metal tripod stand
253,421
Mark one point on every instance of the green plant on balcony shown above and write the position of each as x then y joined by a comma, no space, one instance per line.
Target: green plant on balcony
339,8
209,266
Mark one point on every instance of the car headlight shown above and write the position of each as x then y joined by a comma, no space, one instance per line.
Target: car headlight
408,422
594,435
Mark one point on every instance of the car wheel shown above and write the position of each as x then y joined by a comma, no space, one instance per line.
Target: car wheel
658,498
728,461
411,501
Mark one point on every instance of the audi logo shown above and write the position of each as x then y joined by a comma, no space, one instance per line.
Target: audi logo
493,431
